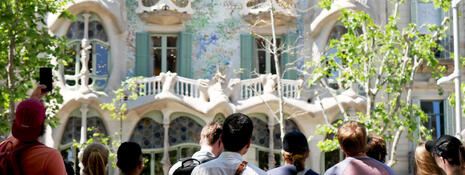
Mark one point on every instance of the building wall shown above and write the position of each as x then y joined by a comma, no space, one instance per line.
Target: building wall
216,26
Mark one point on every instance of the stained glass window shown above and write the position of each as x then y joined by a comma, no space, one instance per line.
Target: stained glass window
184,130
261,133
289,127
73,128
98,65
148,133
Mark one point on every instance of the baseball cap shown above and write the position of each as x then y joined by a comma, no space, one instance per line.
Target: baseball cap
446,146
29,118
295,142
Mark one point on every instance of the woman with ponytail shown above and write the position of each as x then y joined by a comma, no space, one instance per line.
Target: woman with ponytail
94,159
295,151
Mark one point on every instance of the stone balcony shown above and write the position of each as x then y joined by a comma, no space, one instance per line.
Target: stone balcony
164,12
255,10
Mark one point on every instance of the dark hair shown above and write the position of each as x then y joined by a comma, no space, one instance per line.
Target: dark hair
42,130
376,148
129,156
237,131
211,133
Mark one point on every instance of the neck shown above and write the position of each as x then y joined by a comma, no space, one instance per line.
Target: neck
205,147
362,154
453,170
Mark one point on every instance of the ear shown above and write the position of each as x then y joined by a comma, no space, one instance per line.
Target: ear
141,165
248,144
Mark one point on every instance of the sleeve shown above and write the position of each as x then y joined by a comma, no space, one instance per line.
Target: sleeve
199,170
55,164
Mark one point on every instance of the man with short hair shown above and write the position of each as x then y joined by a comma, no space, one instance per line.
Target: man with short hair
28,125
210,146
352,139
236,139
446,152
130,160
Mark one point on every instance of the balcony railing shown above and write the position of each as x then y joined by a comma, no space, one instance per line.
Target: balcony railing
170,83
166,12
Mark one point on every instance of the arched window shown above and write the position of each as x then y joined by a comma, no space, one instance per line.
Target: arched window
289,127
336,33
261,133
72,132
184,137
149,134
99,61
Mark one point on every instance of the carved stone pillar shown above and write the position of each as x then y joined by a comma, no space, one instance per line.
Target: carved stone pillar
85,54
166,157
271,161
84,109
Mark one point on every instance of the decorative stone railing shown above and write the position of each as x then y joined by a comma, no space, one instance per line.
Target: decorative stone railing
164,12
217,89
256,10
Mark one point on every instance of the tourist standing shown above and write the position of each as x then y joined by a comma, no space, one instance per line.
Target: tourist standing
129,158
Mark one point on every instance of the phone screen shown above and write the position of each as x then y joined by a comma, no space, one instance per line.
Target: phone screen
46,78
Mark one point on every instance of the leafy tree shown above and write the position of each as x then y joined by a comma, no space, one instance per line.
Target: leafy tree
27,45
382,62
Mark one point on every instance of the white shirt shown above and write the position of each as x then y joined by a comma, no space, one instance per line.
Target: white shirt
201,156
226,164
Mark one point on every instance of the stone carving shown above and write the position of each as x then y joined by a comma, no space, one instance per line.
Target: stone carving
168,80
269,82
85,56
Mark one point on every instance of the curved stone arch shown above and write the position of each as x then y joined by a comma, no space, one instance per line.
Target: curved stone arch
327,19
155,115
96,7
193,117
73,123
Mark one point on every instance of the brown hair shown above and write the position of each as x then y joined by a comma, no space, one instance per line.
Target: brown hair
211,133
298,160
425,163
376,148
352,137
95,159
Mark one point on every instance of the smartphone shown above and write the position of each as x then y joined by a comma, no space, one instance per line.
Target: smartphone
46,78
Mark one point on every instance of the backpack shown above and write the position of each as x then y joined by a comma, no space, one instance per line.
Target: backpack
188,164
10,158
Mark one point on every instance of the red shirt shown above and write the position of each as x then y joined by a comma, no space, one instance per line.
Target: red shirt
40,160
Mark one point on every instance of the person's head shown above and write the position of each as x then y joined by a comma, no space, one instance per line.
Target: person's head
95,159
425,163
295,149
376,148
29,120
130,158
237,132
352,138
210,137
446,151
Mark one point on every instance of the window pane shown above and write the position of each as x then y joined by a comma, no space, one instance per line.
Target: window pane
435,111
171,60
76,30
172,41
273,66
102,60
156,40
261,62
156,61
263,160
261,44
70,69
96,31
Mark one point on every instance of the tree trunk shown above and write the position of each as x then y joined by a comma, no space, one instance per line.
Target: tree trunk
11,74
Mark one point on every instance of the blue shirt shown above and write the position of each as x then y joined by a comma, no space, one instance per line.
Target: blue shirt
288,170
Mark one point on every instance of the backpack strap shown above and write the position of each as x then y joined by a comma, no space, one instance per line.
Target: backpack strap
241,168
189,162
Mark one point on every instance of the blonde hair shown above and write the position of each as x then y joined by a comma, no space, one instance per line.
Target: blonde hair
211,133
352,137
95,159
298,160
425,163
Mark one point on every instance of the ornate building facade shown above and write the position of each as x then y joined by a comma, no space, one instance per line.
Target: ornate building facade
201,62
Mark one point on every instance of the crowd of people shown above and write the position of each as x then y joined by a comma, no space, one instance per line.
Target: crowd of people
222,149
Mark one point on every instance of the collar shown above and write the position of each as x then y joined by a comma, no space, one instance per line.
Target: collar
230,155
